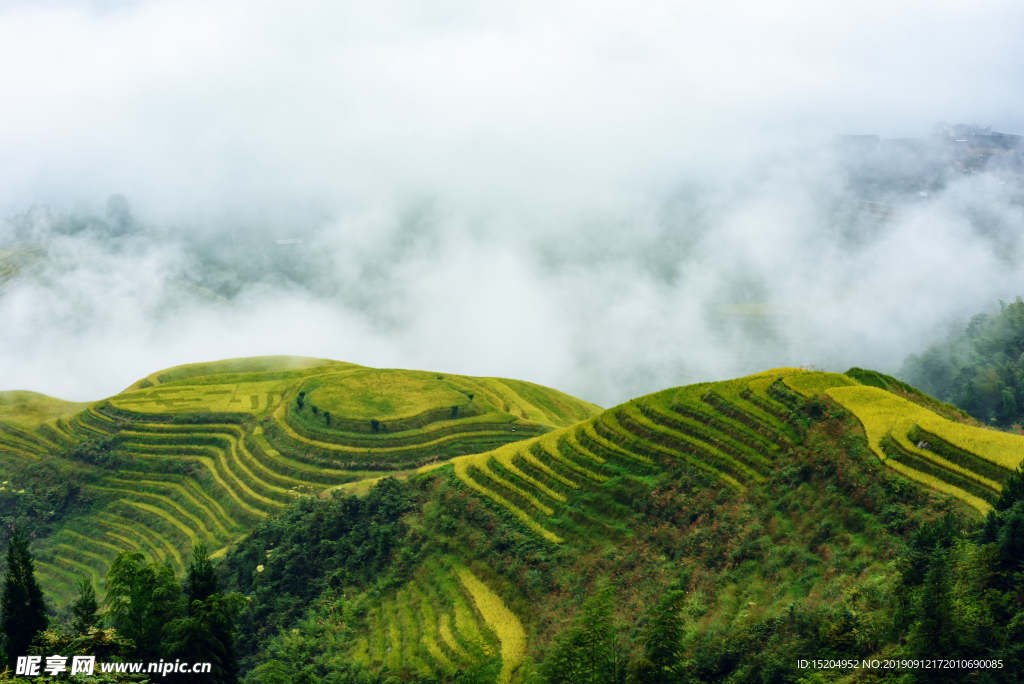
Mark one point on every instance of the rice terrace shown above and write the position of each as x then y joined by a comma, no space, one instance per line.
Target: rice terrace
764,500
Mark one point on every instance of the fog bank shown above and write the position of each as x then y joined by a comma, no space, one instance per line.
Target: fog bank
603,201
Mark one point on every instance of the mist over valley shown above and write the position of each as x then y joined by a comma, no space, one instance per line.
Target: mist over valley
511,343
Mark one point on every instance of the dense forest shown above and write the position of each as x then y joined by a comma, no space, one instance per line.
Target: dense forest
980,369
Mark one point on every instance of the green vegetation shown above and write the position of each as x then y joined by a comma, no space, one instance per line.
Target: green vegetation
16,258
150,616
813,384
85,609
766,511
22,610
980,369
142,598
888,420
199,453
661,568
25,410
499,619
959,588
439,527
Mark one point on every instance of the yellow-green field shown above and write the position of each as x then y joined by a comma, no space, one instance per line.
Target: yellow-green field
26,410
364,394
14,259
206,450
811,384
885,415
445,618
215,447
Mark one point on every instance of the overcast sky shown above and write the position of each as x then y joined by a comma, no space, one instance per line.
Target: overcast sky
564,192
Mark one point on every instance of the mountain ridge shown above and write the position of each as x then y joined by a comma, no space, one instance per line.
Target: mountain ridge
492,506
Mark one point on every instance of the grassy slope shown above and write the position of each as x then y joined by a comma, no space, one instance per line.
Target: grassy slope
26,410
16,258
908,432
201,452
770,507
760,495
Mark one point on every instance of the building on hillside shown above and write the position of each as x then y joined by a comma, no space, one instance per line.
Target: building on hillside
973,148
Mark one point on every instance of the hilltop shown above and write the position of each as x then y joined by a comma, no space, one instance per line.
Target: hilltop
491,512
201,452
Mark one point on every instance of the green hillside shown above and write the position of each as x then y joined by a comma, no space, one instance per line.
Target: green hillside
199,453
765,498
24,261
17,258
781,503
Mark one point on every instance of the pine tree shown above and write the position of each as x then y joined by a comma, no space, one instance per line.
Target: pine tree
586,653
22,607
206,634
596,634
1013,490
936,630
663,641
85,608
142,599
201,577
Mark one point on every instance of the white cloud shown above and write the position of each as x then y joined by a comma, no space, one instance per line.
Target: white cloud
596,177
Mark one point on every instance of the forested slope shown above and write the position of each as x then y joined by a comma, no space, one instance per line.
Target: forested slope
979,368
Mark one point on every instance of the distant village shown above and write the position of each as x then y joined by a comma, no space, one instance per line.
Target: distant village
890,172
965,147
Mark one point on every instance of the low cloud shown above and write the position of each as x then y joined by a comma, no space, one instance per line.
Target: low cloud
603,201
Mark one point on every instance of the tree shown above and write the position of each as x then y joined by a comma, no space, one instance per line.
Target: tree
201,576
936,630
374,424
1009,406
1010,539
587,652
327,417
980,369
1013,490
142,599
85,609
941,533
663,640
206,633
22,607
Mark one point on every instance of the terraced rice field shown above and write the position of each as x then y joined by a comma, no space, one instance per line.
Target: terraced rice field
217,447
731,430
14,259
446,618
966,462
213,448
